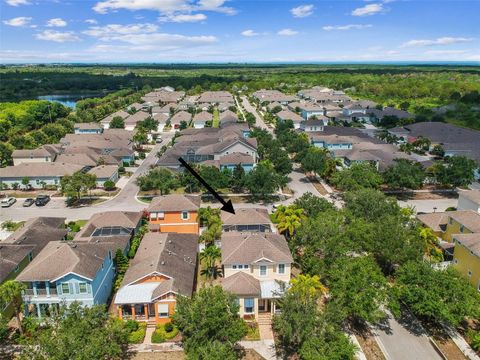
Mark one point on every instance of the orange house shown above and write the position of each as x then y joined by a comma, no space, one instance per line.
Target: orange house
174,213
163,268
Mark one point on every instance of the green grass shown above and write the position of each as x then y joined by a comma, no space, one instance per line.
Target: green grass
12,226
216,119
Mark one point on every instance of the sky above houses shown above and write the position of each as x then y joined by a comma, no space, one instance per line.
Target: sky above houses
238,31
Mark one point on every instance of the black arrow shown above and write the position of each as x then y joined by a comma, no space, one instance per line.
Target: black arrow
227,205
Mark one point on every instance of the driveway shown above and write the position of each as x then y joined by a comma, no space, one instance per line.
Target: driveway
404,340
124,201
427,206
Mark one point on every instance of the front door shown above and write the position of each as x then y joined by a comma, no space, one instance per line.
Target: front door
264,305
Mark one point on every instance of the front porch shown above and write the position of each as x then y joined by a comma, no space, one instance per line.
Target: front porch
159,313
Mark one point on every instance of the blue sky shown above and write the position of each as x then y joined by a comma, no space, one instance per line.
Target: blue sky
238,31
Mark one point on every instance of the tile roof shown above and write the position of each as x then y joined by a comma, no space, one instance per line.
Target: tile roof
241,248
289,115
436,221
175,203
87,126
468,218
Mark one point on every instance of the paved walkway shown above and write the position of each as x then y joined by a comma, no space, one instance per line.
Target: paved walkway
404,339
265,348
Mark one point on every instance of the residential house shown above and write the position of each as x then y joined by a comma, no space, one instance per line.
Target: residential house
43,154
174,213
39,175
311,109
179,117
249,219
68,271
466,257
105,122
447,224
469,200
270,96
312,125
216,97
87,128
132,120
377,115
163,268
285,115
255,265
162,120
228,117
19,249
105,173
231,161
201,118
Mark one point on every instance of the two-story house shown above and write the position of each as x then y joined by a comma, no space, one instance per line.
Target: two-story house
466,257
68,271
469,200
247,219
447,224
174,213
163,268
254,267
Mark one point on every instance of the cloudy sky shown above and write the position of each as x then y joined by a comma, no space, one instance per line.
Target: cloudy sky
238,30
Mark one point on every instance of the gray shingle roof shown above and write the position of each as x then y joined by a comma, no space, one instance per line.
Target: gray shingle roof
246,216
242,284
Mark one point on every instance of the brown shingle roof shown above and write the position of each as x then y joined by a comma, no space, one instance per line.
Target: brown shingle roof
241,248
470,241
47,169
435,221
103,171
242,284
468,218
175,203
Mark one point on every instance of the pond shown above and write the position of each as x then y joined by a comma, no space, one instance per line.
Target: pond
69,100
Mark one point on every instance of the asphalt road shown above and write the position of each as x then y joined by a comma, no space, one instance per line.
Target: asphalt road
259,120
404,340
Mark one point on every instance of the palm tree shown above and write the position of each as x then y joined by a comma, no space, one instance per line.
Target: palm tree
308,286
289,219
11,293
209,256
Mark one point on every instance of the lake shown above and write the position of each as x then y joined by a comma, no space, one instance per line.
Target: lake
69,100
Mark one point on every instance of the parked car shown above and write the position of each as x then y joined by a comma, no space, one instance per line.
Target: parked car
28,202
42,200
158,140
7,202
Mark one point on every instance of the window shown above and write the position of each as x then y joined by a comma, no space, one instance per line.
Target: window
110,255
65,289
17,268
248,306
263,270
153,216
281,268
82,288
161,215
234,267
30,257
245,266
462,228
184,215
240,267
163,310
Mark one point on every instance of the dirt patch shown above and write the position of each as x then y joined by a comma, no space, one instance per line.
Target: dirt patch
445,343
368,344
171,355
317,185
433,195
252,355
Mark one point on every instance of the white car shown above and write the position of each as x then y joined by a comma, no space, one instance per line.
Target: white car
7,202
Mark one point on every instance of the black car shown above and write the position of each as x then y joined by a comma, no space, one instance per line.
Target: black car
28,202
42,200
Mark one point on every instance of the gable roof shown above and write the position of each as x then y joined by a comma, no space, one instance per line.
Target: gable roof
47,169
470,241
241,248
246,216
175,203
203,116
11,255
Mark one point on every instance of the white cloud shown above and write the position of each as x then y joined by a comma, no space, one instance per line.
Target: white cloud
164,6
182,18
17,2
57,36
346,27
249,33
367,10
18,21
435,42
56,22
287,32
445,52
108,31
302,11
91,21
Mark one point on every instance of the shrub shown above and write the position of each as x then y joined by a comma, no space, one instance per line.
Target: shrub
141,155
167,331
475,339
131,325
109,185
169,327
121,169
137,336
74,227
157,337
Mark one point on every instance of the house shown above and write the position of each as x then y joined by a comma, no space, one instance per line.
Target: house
231,161
179,117
254,267
251,220
162,120
68,271
163,268
19,249
466,257
132,120
285,115
352,109
105,122
201,118
377,115
105,173
39,175
310,109
174,213
228,117
216,97
43,154
313,125
447,224
270,96
87,128
137,106
112,227
469,200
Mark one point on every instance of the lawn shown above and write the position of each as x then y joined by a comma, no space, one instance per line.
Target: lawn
216,119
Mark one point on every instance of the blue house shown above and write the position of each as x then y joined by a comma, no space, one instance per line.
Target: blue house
68,271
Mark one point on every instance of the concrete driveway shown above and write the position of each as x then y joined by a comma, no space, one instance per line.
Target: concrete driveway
404,339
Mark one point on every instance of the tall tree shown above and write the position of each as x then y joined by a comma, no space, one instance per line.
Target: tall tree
209,256
11,293
404,174
356,177
315,160
262,181
77,184
117,123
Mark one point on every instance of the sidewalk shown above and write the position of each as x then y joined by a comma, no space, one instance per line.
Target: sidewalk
265,348
461,343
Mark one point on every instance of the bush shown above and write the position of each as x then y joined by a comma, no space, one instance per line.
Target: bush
137,336
141,155
157,337
74,227
109,185
121,169
169,327
166,331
